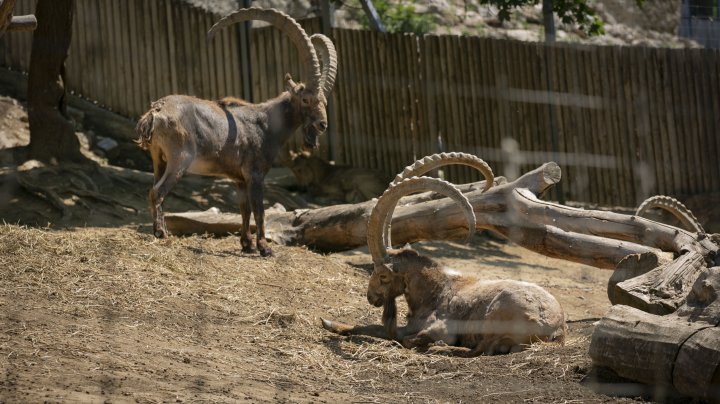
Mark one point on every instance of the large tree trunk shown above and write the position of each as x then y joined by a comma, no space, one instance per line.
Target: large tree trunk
52,135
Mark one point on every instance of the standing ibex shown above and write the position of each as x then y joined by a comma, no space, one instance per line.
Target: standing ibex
480,317
235,138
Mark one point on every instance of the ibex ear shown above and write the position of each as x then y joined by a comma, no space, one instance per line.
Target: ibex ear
290,85
407,246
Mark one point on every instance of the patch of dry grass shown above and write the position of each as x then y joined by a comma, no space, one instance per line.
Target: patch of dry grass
155,318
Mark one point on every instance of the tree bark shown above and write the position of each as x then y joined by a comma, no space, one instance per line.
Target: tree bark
52,135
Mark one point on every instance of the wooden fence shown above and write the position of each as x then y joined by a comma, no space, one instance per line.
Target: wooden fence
630,121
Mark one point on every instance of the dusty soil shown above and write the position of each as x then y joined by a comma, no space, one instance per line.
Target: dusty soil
95,309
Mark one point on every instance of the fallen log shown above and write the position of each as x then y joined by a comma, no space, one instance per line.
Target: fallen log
598,238
680,350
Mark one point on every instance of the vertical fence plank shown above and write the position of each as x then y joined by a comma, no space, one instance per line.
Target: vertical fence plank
476,131
211,62
359,138
392,89
120,52
226,62
658,133
234,62
353,111
625,127
667,117
712,66
602,146
111,65
681,123
338,96
559,90
486,103
524,105
180,56
377,128
646,151
413,46
427,140
136,104
705,148
171,46
394,83
218,59
78,47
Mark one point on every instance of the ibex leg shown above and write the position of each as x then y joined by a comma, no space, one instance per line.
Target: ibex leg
173,172
244,202
158,171
256,201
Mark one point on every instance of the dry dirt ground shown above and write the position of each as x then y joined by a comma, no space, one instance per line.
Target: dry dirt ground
95,309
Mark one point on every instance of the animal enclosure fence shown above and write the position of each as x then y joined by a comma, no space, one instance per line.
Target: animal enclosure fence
628,121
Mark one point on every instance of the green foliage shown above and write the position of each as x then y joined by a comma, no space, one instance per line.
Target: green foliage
569,11
400,18
578,12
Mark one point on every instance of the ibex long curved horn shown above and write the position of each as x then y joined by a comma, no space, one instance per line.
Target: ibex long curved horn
325,49
379,220
675,207
438,160
282,21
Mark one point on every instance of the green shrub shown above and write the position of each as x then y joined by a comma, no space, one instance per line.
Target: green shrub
400,18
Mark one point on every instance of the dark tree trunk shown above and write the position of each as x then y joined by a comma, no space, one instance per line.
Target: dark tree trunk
52,135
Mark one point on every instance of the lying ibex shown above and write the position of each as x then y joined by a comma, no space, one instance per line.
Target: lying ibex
472,316
336,183
234,138
674,207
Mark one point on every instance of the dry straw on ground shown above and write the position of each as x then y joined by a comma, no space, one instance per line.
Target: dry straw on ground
95,313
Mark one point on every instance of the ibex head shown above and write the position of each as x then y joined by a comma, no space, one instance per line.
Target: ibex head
387,281
310,98
311,107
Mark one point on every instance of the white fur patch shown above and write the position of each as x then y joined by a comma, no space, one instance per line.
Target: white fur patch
451,271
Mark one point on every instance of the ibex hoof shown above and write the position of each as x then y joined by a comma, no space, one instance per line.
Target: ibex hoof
267,252
160,234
